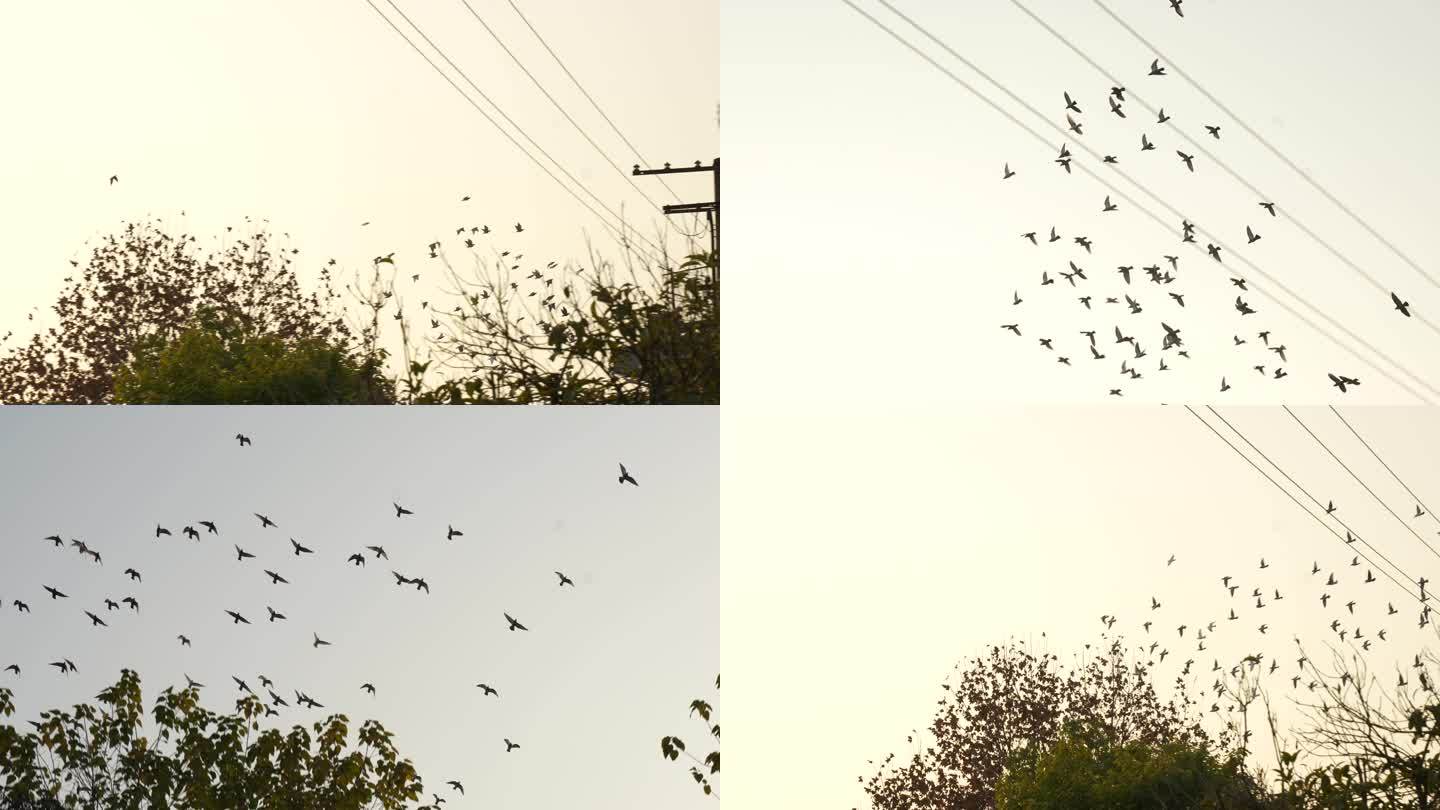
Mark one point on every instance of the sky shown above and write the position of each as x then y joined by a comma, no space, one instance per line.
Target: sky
858,572
607,668
318,117
867,185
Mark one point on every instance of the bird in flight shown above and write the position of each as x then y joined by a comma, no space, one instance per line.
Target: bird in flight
1162,117
357,558
133,574
184,640
241,554
1402,306
1115,108
54,594
368,687
1075,128
319,642
564,580
209,527
114,178
1214,131
420,583
15,668
400,510
238,619
1175,4
451,532
95,620
457,786
1008,174
134,605
1268,206
509,746
379,552
264,521
189,531
299,549
1189,160
1155,69
401,579
276,579
159,530
487,689
242,438
1342,381
274,614
1250,236
519,228
1070,103
625,474
1109,206
514,625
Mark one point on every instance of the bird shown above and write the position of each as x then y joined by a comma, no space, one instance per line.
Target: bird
379,552
1250,236
400,510
1070,103
242,438
15,668
238,619
1342,381
241,554
1145,145
1418,511
134,605
54,594
1402,306
401,579
1008,174
509,746
274,614
1224,386
1330,508
1175,4
299,549
1155,69
114,178
159,530
276,579
1162,117
1268,206
111,604
264,521
1109,206
368,687
95,620
184,641
239,684
420,583
625,474
564,580
1188,159
357,558
451,532
1214,131
487,689
319,642
1013,327
1030,236
1075,128
519,228
514,625
457,786
1115,108
209,527
133,574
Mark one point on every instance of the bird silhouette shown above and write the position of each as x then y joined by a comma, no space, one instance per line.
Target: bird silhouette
241,554
1155,69
368,687
1008,174
564,580
514,625
457,786
358,559
319,642
95,620
274,614
237,618
487,689
1403,307
299,549
159,530
1188,159
625,474
54,594
276,579
400,510
1268,206
209,527
451,533
379,552
519,228
264,521
509,746
1250,236
134,605
242,438
114,178
184,641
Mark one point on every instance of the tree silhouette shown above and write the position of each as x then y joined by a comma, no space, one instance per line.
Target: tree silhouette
1012,705
146,284
95,756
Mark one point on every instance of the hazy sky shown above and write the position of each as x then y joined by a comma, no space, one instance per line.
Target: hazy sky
858,572
870,188
319,117
607,669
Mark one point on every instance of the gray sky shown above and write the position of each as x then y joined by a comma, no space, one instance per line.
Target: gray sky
871,187
319,117
859,572
608,668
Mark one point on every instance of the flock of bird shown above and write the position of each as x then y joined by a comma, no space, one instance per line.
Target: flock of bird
131,603
1123,296
1327,590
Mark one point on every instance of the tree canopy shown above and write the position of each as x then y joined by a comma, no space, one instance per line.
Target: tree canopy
98,756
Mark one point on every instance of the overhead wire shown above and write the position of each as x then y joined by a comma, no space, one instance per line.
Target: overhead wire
1393,474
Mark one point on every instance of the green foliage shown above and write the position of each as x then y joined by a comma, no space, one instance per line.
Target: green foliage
217,360
1087,770
703,770
96,756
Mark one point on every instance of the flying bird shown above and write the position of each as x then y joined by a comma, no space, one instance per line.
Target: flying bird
238,619
133,574
625,474
509,746
274,614
487,689
451,533
242,438
514,625
241,554
1008,174
54,594
400,510
1402,306
276,579
319,642
299,549
564,580
1155,69
379,552
1188,159
264,521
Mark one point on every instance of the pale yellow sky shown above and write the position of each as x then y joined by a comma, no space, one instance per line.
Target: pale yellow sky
867,550
319,117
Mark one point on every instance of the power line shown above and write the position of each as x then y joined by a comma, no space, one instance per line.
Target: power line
585,93
552,100
1291,495
1383,464
1156,218
1377,498
623,238
1276,152
1313,499
1198,145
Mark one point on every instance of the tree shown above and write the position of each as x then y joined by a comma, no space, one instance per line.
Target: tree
1012,706
95,756
702,771
1085,769
578,339
145,287
218,360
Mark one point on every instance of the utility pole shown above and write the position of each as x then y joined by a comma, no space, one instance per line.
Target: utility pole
711,210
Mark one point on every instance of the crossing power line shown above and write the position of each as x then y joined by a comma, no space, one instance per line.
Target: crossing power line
1138,206
619,232
1397,478
1271,147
